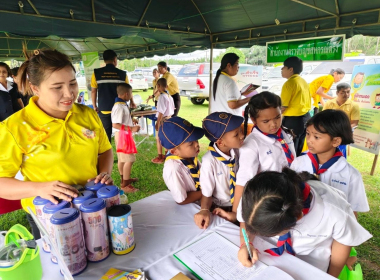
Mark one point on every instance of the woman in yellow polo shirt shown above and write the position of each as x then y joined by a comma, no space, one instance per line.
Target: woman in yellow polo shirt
53,141
320,86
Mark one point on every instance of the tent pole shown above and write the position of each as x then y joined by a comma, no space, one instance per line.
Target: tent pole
210,84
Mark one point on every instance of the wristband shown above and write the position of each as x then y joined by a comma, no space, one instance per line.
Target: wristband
245,244
204,210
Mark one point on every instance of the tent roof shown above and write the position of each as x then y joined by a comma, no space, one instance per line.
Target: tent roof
138,28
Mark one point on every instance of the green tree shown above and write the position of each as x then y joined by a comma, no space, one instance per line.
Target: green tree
239,53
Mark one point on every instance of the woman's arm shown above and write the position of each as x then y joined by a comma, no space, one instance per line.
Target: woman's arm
238,103
105,164
14,189
321,92
339,256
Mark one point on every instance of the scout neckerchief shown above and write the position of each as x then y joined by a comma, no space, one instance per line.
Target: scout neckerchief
319,170
194,168
284,145
228,163
284,242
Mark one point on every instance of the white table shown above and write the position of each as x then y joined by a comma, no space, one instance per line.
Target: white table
162,228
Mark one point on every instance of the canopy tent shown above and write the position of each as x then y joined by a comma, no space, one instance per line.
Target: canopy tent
138,28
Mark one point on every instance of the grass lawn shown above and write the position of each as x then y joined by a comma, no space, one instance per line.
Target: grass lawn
151,182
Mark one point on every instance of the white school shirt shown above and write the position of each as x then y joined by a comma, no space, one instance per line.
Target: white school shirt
178,179
342,176
215,176
330,218
165,105
120,114
226,90
261,153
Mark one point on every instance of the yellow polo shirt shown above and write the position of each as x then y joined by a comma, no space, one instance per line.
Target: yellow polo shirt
172,83
325,82
48,149
350,107
295,95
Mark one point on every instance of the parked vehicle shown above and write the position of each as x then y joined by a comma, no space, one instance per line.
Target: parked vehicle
364,59
194,79
138,81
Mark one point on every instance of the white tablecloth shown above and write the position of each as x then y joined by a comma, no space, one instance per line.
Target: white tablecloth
162,228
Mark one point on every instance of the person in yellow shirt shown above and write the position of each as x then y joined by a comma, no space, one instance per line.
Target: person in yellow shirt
156,93
173,88
53,141
103,86
320,86
296,100
344,103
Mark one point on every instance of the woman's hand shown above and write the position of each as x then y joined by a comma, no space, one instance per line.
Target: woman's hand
149,98
229,216
103,178
202,218
56,189
243,255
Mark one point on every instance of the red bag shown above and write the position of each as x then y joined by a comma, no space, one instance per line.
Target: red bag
126,144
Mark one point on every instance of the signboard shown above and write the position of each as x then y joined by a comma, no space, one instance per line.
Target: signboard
90,62
249,74
365,90
329,48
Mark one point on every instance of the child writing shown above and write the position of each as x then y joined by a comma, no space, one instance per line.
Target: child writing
121,116
268,147
219,164
320,86
324,133
165,109
182,167
299,216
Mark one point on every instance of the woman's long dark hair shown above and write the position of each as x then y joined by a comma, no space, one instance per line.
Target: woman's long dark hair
262,101
230,58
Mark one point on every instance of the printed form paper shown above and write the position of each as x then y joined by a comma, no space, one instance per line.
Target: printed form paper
215,258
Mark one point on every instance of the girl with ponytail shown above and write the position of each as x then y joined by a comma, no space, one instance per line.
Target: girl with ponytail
226,96
298,215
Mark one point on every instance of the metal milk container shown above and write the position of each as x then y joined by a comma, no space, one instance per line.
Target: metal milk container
91,186
49,209
39,204
69,238
121,229
110,194
95,227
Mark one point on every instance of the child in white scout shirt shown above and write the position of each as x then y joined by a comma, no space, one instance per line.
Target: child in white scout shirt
219,164
165,109
269,146
182,167
121,116
299,216
324,133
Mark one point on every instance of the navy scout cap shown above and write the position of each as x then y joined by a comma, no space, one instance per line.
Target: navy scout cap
217,124
176,131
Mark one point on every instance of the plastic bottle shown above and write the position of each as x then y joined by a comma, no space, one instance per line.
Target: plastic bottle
123,197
